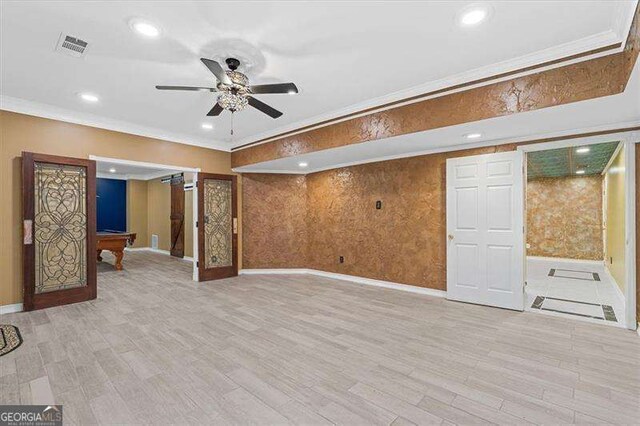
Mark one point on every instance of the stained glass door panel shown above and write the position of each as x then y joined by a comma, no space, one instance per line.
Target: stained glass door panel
217,226
59,230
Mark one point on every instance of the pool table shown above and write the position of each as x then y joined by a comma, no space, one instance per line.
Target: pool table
115,242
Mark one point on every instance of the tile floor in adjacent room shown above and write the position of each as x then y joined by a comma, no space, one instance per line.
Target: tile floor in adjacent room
570,288
158,348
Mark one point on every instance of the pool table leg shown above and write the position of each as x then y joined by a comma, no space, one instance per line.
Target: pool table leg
119,255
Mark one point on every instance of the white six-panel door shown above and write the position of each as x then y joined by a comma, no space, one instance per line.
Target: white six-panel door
485,230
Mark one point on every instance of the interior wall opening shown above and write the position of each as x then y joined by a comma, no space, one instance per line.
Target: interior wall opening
153,208
575,232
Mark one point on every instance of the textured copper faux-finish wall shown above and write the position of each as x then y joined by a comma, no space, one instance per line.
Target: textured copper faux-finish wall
379,238
594,78
632,45
402,242
564,217
275,231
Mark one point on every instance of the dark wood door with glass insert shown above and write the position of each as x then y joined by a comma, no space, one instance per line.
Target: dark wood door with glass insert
59,230
217,226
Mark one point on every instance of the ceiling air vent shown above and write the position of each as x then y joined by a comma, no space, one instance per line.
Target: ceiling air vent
72,46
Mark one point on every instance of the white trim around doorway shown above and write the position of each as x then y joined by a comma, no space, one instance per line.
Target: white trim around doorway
628,139
167,167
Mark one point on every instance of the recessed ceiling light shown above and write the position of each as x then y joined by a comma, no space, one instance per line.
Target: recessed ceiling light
145,28
207,126
580,172
303,164
112,170
473,135
583,150
473,15
89,97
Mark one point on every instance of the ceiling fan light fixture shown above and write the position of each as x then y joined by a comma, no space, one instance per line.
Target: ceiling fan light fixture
232,102
238,78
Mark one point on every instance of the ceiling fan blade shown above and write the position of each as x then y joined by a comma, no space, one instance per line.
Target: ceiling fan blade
289,88
217,70
189,88
215,111
261,106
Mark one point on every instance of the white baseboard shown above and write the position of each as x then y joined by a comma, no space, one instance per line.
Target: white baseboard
167,252
274,271
137,248
563,259
350,278
10,309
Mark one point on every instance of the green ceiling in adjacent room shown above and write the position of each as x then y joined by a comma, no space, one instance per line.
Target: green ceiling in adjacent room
566,161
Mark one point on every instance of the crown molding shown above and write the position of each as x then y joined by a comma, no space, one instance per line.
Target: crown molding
533,63
623,17
23,106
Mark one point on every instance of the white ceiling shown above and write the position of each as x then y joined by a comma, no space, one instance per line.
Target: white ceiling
610,112
342,55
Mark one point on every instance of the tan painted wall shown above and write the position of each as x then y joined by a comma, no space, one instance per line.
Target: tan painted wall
20,132
159,201
615,214
149,205
564,217
637,232
137,211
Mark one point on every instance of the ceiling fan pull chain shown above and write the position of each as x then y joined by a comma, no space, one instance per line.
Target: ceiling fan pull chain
232,126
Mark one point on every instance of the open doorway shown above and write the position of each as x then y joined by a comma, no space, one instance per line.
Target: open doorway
147,213
576,207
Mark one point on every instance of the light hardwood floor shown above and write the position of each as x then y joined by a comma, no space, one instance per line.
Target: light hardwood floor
157,348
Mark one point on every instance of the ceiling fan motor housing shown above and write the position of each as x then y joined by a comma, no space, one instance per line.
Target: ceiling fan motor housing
232,63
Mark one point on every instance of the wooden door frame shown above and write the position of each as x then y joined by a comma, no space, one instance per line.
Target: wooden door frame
230,271
58,297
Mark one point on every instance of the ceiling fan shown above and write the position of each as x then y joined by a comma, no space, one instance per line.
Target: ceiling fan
234,90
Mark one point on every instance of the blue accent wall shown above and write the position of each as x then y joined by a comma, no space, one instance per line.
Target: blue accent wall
111,205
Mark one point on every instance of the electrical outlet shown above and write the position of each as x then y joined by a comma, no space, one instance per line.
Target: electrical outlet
378,205
341,259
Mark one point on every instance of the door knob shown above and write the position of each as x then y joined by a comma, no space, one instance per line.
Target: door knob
450,237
